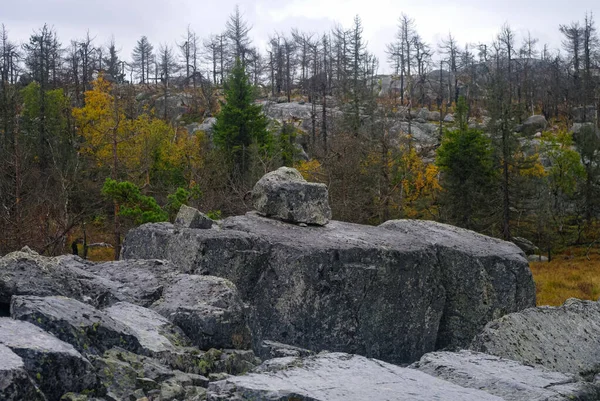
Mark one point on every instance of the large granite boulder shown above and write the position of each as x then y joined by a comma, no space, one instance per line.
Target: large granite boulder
339,377
286,195
484,278
563,339
81,325
208,309
507,379
393,292
55,366
15,383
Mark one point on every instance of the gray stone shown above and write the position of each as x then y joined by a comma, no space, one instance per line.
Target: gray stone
27,273
526,246
341,377
537,258
55,366
534,124
81,325
15,384
393,292
286,195
208,309
484,278
449,118
562,339
189,217
272,349
509,380
140,282
153,331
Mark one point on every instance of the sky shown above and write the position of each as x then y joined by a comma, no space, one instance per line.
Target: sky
165,21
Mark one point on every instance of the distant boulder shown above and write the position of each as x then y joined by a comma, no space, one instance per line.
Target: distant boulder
533,124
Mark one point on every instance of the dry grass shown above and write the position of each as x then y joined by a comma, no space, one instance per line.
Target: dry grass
567,276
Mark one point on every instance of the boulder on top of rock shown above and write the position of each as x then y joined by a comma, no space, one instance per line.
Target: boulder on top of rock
510,380
81,325
189,217
15,384
284,194
339,377
208,309
55,366
393,292
562,339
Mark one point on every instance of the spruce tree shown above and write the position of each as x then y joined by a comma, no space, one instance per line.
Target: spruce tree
468,175
241,122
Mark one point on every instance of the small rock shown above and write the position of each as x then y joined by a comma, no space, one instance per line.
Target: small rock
537,258
189,217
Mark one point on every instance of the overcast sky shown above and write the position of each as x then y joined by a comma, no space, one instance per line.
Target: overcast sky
165,21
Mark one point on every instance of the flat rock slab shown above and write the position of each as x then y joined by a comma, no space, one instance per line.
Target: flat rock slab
563,339
208,309
55,366
510,380
15,383
393,292
340,377
81,325
154,332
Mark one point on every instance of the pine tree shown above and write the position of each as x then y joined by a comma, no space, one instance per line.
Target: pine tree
465,159
240,122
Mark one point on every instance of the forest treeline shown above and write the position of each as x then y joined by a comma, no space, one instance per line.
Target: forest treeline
93,141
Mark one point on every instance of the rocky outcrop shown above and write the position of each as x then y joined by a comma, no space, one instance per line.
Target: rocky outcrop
81,325
339,377
284,194
207,309
27,273
562,339
55,366
189,217
393,292
509,380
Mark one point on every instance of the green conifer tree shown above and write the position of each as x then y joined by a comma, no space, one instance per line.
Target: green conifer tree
468,175
241,122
